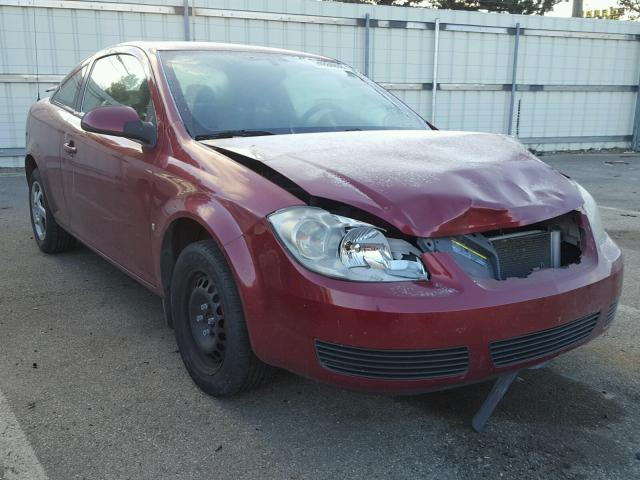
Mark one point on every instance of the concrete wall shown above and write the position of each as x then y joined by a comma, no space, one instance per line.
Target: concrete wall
577,79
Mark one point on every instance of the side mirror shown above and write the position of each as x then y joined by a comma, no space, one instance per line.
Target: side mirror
120,121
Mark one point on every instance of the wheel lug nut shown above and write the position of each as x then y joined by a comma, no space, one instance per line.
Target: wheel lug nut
199,318
205,332
204,306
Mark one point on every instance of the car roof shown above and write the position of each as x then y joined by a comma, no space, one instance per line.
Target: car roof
152,47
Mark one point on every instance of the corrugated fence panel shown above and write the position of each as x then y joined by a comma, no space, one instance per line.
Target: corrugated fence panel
470,110
418,100
15,100
63,37
463,60
402,55
554,61
576,78
548,60
464,57
554,114
337,41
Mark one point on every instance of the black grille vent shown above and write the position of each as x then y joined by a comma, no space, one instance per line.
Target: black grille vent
393,364
611,313
544,342
519,254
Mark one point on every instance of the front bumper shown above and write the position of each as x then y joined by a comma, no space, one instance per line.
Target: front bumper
290,311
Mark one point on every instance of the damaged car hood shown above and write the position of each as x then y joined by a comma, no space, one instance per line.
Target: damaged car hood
425,183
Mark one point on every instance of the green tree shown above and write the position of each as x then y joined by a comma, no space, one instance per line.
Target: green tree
399,3
632,7
524,7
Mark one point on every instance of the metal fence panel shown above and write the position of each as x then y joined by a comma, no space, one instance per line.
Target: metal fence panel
465,57
576,114
576,78
553,60
15,100
484,111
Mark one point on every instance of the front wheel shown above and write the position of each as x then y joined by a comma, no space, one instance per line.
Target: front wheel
50,237
209,323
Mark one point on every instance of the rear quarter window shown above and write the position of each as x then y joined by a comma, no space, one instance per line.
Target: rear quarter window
67,93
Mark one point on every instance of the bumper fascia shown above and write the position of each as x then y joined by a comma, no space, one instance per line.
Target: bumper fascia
287,308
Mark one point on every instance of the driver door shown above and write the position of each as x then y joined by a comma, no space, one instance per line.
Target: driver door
112,177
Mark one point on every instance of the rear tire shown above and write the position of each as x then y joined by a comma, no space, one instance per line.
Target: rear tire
209,325
50,237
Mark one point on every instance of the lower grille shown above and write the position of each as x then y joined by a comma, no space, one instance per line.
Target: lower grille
393,364
520,253
544,342
611,313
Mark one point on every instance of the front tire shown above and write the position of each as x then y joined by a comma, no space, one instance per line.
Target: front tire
209,323
50,237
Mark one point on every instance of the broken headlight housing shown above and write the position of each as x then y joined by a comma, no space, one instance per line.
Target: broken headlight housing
590,209
344,248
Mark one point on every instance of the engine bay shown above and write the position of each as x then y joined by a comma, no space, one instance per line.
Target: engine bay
503,254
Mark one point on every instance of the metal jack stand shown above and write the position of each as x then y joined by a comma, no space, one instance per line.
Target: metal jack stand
491,402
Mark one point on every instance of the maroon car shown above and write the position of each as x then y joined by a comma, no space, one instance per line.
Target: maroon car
292,213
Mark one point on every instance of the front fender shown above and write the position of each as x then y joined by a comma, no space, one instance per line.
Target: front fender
207,211
226,198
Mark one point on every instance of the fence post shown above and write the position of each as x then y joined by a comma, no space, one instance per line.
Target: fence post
434,86
185,16
635,139
367,27
513,79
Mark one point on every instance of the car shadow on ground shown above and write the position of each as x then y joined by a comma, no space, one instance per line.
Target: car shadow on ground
547,425
537,396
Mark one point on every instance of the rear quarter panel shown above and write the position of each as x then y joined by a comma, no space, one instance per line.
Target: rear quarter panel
45,127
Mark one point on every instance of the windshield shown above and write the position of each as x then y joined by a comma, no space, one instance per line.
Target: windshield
229,93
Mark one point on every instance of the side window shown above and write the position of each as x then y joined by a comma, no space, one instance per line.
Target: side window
119,80
67,93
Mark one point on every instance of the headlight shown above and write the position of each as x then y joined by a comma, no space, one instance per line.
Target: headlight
590,209
341,247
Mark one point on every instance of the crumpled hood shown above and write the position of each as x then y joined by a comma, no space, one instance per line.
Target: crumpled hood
425,183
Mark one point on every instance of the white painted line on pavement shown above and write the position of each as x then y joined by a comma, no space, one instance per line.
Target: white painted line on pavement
621,210
18,461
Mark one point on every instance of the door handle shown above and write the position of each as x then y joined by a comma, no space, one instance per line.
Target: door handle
70,148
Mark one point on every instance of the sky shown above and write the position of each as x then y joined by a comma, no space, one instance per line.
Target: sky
563,9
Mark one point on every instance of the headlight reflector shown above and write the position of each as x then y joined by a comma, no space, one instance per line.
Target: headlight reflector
341,247
365,247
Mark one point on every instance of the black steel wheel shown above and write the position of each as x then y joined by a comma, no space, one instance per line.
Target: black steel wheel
50,237
209,323
206,318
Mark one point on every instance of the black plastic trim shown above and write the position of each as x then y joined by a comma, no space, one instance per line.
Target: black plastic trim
393,364
545,342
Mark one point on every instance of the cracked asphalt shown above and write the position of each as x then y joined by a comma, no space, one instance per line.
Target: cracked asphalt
91,375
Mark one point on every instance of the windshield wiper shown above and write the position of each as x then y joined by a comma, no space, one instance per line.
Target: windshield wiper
234,133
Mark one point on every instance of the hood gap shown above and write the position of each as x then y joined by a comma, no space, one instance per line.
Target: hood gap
333,206
267,172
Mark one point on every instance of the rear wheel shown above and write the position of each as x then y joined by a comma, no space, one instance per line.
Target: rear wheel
209,323
50,237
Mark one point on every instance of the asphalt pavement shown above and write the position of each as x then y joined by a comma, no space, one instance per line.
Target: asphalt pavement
92,387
